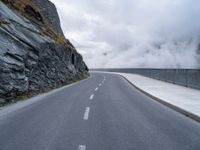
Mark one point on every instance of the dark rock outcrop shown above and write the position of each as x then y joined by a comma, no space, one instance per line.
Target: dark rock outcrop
49,12
34,55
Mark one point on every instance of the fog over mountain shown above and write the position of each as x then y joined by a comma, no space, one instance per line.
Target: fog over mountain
133,33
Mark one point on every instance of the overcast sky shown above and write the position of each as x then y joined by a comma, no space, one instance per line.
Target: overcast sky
133,33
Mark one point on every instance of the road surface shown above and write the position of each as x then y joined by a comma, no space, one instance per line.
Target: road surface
103,112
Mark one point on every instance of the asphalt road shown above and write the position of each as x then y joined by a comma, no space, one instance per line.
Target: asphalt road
103,112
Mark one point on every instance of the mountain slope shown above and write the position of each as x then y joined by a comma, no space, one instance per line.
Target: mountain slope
34,54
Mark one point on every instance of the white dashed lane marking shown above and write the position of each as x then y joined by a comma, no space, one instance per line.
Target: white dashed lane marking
86,114
92,96
81,147
96,89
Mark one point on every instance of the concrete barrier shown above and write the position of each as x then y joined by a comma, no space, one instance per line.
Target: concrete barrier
185,77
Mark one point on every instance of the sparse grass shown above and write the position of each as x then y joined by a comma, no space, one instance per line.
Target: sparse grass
85,75
19,5
25,96
53,35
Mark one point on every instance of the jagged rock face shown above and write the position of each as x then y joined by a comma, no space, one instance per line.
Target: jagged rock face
31,58
49,12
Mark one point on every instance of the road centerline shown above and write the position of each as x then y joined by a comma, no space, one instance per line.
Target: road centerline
81,147
86,114
96,89
92,96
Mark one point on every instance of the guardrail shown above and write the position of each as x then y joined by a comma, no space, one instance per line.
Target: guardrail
185,77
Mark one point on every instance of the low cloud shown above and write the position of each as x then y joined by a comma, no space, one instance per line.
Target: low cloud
133,33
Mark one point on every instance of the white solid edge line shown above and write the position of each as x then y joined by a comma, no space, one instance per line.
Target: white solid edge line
92,96
81,147
86,114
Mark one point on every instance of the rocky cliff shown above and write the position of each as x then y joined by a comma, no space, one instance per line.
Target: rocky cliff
34,55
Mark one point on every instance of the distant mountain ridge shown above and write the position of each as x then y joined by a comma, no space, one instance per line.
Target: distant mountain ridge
34,54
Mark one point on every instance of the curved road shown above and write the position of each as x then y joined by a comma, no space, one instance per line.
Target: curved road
103,112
